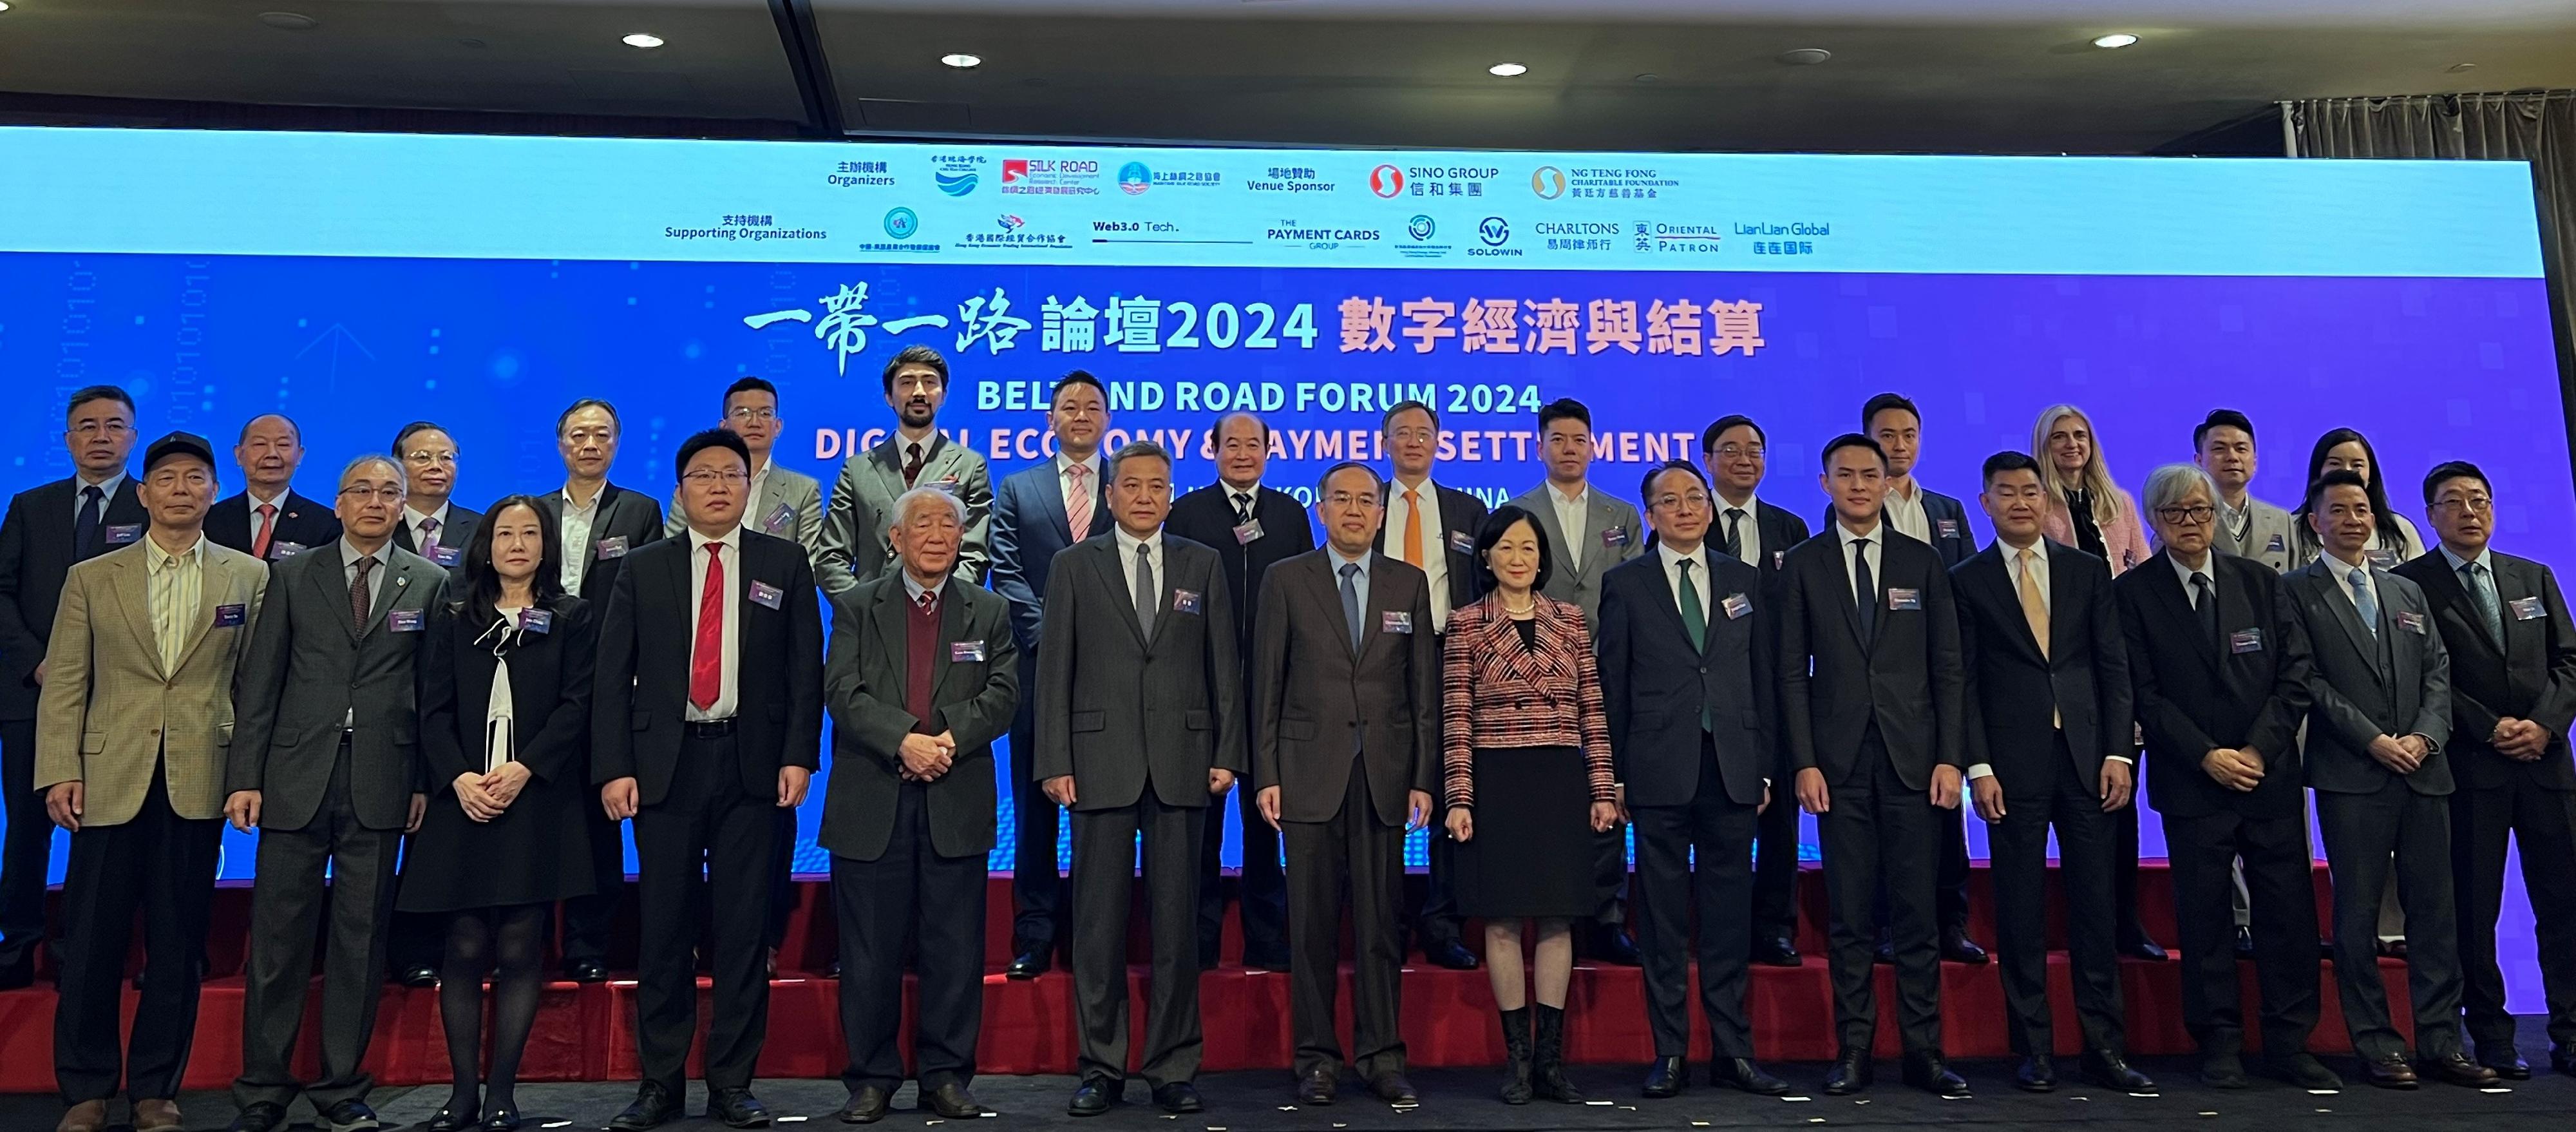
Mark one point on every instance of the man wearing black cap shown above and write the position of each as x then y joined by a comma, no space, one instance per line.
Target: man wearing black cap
129,757
48,528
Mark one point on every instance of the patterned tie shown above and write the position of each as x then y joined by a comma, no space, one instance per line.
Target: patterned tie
267,528
1242,509
1735,533
1077,506
1351,601
2363,601
362,595
2483,588
911,463
706,656
1145,589
1413,528
928,601
2033,608
429,539
85,526
1866,588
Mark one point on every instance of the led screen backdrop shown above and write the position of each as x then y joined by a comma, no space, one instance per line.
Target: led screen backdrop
362,281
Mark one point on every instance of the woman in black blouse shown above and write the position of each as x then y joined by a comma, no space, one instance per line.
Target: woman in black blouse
505,722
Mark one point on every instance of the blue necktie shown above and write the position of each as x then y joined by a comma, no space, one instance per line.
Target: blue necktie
2482,588
1351,601
85,526
2361,600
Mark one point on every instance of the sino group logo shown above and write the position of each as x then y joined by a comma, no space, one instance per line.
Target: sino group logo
1386,181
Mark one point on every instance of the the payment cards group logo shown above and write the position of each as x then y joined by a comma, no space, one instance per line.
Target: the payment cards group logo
1134,178
1548,182
1386,181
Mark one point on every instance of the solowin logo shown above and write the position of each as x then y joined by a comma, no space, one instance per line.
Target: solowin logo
1548,182
1420,228
1495,231
1386,180
1134,178
956,183
901,223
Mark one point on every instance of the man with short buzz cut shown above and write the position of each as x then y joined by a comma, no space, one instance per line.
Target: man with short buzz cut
2382,776
268,520
2223,445
321,763
916,454
2513,695
50,528
1252,527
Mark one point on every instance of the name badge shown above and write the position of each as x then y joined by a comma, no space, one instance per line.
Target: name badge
2244,641
1946,528
2383,559
1615,536
614,547
1185,601
536,621
1246,534
2275,546
2410,621
281,551
119,534
1779,558
1462,542
1737,606
1904,598
2528,609
961,651
227,616
767,596
779,519
1394,622
403,620
947,484
447,556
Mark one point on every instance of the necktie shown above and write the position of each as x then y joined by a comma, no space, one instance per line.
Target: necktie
1077,505
2362,600
1351,601
2033,608
1735,533
2204,601
1145,608
706,656
1694,615
85,525
1866,588
1413,528
1242,509
267,527
429,538
2482,588
928,601
362,595
911,463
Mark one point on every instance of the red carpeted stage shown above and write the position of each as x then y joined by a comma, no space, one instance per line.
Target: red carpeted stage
587,1032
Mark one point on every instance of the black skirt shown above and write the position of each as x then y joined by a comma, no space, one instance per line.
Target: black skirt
1534,853
536,852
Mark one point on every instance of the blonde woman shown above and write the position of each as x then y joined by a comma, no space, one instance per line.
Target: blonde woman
2085,509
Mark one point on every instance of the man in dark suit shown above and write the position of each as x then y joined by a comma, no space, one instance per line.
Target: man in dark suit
922,678
49,527
436,528
1034,513
1432,529
709,713
1344,749
2218,668
1688,688
322,764
1139,727
1251,527
268,520
916,453
597,523
2048,740
2382,711
1940,521
1877,736
2513,694
1759,534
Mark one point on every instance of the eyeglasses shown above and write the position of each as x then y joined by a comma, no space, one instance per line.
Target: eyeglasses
2472,505
425,456
710,479
95,428
1412,435
1733,451
749,415
1668,501
1351,499
2196,514
362,492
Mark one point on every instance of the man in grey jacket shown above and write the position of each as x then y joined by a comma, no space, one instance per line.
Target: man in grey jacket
917,454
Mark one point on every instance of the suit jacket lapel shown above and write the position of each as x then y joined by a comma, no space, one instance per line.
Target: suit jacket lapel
1322,584
1669,605
1996,575
1546,514
2328,588
220,586
331,578
132,587
1598,518
1111,566
1838,567
387,591
892,606
2443,591
952,627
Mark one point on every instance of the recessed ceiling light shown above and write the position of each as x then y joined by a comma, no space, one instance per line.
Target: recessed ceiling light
2115,39
1649,77
961,60
289,21
2462,68
1507,70
4,5
1805,56
641,39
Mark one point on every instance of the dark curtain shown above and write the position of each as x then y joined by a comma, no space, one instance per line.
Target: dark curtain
2537,127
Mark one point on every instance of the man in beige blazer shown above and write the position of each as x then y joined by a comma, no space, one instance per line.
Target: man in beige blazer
131,733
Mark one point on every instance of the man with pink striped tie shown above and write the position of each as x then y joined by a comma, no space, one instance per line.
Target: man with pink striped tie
1038,511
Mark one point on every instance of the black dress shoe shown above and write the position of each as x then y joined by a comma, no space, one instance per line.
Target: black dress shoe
1451,954
452,1119
1666,1077
2244,942
503,1119
1852,1072
1611,944
2138,946
867,1106
737,1108
951,1101
2562,1060
1775,951
417,976
351,1115
2304,1071
586,971
1393,1088
1178,1097
1031,963
1742,1073
1956,947
1928,1073
2222,1071
2392,949
2455,1068
1316,1088
2037,1074
1094,1097
653,1107
260,1117
2388,1071
1266,959
833,971
2111,1071
2507,1065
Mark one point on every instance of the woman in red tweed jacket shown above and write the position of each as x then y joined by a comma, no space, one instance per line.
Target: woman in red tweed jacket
1526,755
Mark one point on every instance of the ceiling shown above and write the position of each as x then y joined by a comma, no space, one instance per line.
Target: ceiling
2015,76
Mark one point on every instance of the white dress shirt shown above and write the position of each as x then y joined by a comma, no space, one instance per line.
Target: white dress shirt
1748,534
1698,558
727,677
1153,545
1572,514
1243,500
577,520
1905,513
413,519
1877,537
2191,597
1435,543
